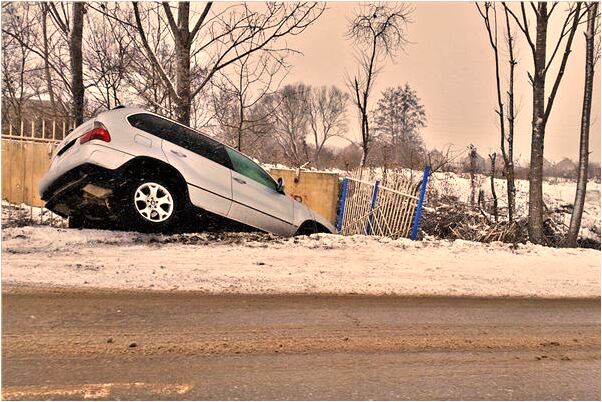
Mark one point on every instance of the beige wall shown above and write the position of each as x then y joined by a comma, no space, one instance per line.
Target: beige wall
25,162
23,165
318,190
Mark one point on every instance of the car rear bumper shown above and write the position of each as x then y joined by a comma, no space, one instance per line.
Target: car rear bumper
84,189
89,154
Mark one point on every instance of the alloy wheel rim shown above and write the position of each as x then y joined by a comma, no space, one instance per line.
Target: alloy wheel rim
153,202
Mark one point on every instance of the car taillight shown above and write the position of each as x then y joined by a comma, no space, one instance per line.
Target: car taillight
99,132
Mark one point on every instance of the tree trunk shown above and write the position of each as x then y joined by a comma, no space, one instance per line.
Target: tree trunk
76,58
538,123
509,154
47,75
493,194
241,120
183,43
472,154
571,239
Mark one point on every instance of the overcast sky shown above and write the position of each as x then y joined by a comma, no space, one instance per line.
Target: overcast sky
450,65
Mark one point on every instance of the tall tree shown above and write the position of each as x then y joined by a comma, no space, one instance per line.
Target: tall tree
398,118
213,42
378,31
591,58
326,109
541,107
489,14
291,123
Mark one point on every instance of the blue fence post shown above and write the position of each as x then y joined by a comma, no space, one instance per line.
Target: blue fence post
342,205
418,212
372,205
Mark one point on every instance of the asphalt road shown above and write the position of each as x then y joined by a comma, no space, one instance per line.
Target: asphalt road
87,345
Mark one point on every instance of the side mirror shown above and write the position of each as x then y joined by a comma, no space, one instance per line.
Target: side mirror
280,188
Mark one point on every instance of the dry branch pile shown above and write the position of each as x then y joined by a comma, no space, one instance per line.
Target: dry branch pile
460,222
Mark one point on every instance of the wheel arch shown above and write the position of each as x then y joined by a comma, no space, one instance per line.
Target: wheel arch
146,166
311,226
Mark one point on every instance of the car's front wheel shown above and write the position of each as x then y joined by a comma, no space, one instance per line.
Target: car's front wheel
151,205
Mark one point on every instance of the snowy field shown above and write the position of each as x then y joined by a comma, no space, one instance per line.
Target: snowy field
255,263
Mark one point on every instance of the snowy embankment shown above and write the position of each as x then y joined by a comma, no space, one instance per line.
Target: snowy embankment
259,263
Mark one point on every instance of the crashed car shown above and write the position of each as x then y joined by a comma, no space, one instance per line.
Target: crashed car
136,168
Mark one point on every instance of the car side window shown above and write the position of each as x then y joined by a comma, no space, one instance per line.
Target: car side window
245,166
182,136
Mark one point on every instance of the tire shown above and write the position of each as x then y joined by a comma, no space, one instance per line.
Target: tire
76,222
151,205
310,227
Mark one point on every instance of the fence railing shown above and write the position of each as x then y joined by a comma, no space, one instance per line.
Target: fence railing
373,208
33,130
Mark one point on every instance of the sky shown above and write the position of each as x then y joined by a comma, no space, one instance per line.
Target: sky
450,65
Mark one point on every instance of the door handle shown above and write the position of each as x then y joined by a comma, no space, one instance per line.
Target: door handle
241,181
178,153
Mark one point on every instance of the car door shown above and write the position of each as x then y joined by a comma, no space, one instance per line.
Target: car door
256,200
202,161
205,166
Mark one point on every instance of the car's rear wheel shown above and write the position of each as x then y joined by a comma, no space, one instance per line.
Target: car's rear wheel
152,205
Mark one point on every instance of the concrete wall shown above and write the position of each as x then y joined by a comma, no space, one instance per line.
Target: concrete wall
318,190
23,165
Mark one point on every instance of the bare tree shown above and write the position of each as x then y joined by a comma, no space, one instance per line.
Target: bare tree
489,14
237,92
541,108
326,108
16,57
108,56
214,42
68,20
378,30
591,58
291,123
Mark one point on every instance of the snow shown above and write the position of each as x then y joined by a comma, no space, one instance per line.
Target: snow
23,214
254,263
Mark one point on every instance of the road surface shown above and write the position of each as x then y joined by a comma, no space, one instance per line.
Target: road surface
128,345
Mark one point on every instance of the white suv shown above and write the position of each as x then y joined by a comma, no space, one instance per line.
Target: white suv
135,167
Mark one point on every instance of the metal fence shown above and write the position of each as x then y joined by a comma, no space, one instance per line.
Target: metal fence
389,206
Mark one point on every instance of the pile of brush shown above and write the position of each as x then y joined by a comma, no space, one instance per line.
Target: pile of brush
460,222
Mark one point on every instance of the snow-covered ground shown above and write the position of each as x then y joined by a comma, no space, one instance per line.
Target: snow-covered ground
260,263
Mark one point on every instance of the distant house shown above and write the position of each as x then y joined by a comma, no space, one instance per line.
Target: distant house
31,111
565,168
481,164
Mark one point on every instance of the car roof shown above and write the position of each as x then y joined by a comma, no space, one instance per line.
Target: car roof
126,111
